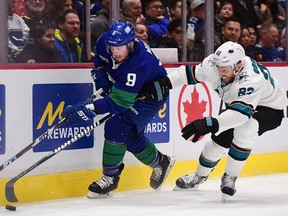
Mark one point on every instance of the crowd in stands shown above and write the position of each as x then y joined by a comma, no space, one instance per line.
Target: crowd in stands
47,31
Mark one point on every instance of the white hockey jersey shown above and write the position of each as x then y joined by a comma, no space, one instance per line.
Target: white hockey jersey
253,86
18,33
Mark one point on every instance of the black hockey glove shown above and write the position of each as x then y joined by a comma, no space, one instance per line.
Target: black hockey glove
155,91
194,130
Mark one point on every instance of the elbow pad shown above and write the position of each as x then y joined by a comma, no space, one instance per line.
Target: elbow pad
182,75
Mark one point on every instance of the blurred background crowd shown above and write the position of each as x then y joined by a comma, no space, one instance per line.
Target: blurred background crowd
57,31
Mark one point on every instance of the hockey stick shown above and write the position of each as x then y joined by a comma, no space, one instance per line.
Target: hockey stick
44,135
9,189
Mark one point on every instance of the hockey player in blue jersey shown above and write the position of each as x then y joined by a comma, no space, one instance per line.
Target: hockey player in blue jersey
255,104
130,64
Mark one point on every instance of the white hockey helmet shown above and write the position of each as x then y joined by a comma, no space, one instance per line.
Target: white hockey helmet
229,54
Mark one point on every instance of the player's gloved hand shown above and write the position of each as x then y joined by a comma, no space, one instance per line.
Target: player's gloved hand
77,114
194,130
155,91
101,80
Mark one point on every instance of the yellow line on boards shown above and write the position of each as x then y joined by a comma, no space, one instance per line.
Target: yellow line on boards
75,184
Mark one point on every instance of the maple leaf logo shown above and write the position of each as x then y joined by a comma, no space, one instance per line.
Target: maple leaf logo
194,109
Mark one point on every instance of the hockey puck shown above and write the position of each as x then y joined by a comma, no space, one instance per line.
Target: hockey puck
10,208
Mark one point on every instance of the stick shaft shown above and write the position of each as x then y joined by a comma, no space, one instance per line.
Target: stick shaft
43,136
9,189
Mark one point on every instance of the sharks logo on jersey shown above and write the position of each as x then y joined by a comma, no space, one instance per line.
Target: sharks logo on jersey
242,77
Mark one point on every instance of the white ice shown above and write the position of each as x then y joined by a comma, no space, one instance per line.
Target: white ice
261,195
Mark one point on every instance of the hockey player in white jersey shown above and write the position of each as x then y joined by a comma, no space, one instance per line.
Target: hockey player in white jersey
255,104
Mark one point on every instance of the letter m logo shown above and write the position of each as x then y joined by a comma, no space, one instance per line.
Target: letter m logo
50,115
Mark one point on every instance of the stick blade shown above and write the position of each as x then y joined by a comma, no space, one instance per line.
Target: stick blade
10,192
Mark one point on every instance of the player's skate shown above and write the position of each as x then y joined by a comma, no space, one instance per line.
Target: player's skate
160,172
190,181
227,186
104,187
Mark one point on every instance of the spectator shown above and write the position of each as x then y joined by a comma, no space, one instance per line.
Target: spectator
268,38
224,12
141,32
196,30
269,11
196,22
67,42
198,50
281,50
101,22
18,32
95,6
175,9
253,34
231,31
132,11
244,40
58,6
245,13
79,7
40,48
250,49
34,11
155,21
20,8
173,39
282,3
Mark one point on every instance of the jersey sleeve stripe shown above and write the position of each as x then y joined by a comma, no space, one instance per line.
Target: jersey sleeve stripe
121,98
241,107
190,73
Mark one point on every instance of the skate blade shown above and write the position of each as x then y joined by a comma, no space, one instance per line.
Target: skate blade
176,188
172,162
225,197
92,195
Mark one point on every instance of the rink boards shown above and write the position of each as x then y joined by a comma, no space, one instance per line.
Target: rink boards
32,99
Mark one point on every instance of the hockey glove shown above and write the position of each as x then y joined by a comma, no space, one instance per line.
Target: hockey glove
77,114
101,80
194,130
155,91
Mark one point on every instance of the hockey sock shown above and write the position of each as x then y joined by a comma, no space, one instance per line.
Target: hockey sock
236,159
149,156
113,155
209,158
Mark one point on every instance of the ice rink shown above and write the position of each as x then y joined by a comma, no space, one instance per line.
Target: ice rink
261,195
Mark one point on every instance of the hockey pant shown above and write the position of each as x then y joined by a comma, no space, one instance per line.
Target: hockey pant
237,142
125,132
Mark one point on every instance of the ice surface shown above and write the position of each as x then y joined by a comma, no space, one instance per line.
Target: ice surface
261,195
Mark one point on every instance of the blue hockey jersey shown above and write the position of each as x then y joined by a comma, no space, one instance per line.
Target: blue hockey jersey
140,67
